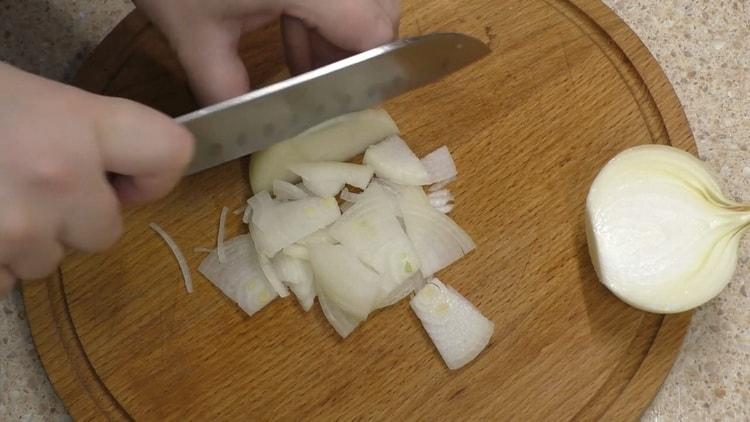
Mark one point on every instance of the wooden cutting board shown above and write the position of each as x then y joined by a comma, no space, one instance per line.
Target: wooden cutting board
566,87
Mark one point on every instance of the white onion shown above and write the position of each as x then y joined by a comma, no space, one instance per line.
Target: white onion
345,280
343,323
338,139
240,278
410,285
661,234
371,231
349,196
220,236
459,331
270,272
439,165
296,251
394,161
326,178
438,240
441,200
285,191
276,225
181,261
240,210
440,185
298,275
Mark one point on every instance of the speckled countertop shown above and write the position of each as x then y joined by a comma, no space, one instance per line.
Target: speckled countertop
704,48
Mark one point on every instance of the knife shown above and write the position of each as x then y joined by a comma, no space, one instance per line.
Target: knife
254,121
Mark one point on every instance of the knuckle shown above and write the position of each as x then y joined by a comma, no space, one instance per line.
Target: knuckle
53,173
16,227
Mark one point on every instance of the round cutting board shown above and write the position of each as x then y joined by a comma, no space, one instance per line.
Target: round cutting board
566,87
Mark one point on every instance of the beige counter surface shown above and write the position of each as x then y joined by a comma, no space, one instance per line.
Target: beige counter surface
704,48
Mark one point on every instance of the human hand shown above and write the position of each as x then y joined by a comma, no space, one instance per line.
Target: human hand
205,35
57,146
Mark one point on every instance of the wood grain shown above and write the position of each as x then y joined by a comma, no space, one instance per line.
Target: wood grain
566,87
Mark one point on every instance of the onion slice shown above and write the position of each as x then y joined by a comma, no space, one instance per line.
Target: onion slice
326,178
440,165
345,280
285,191
276,225
338,139
181,261
298,275
438,240
220,236
240,278
394,161
459,331
343,323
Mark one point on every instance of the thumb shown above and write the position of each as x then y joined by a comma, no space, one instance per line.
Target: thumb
146,151
213,65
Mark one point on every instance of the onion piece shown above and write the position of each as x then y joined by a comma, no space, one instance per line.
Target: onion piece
343,323
285,191
296,251
440,185
327,178
220,236
181,261
240,278
438,240
270,272
441,199
240,210
372,232
276,225
410,285
320,236
345,280
298,275
459,331
440,165
202,249
338,139
349,196
394,161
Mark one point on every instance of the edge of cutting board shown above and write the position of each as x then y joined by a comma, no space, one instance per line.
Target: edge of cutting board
651,353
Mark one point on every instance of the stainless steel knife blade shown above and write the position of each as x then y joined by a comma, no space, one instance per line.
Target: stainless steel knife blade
253,121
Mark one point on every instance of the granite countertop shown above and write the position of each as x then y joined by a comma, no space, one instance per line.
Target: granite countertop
703,46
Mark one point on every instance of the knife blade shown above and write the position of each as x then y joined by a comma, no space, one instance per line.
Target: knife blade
253,121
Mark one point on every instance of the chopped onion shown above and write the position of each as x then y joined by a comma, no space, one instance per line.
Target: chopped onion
240,210
220,236
394,161
440,165
412,284
298,275
202,249
372,232
343,323
445,209
296,251
181,261
270,272
345,280
285,191
459,331
240,278
440,185
320,236
327,178
276,225
438,240
338,139
441,199
349,196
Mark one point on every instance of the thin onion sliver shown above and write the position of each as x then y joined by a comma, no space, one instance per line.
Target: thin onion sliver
181,261
220,237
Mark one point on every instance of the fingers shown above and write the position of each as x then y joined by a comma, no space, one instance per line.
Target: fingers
6,282
28,242
93,224
296,45
213,65
350,25
147,149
